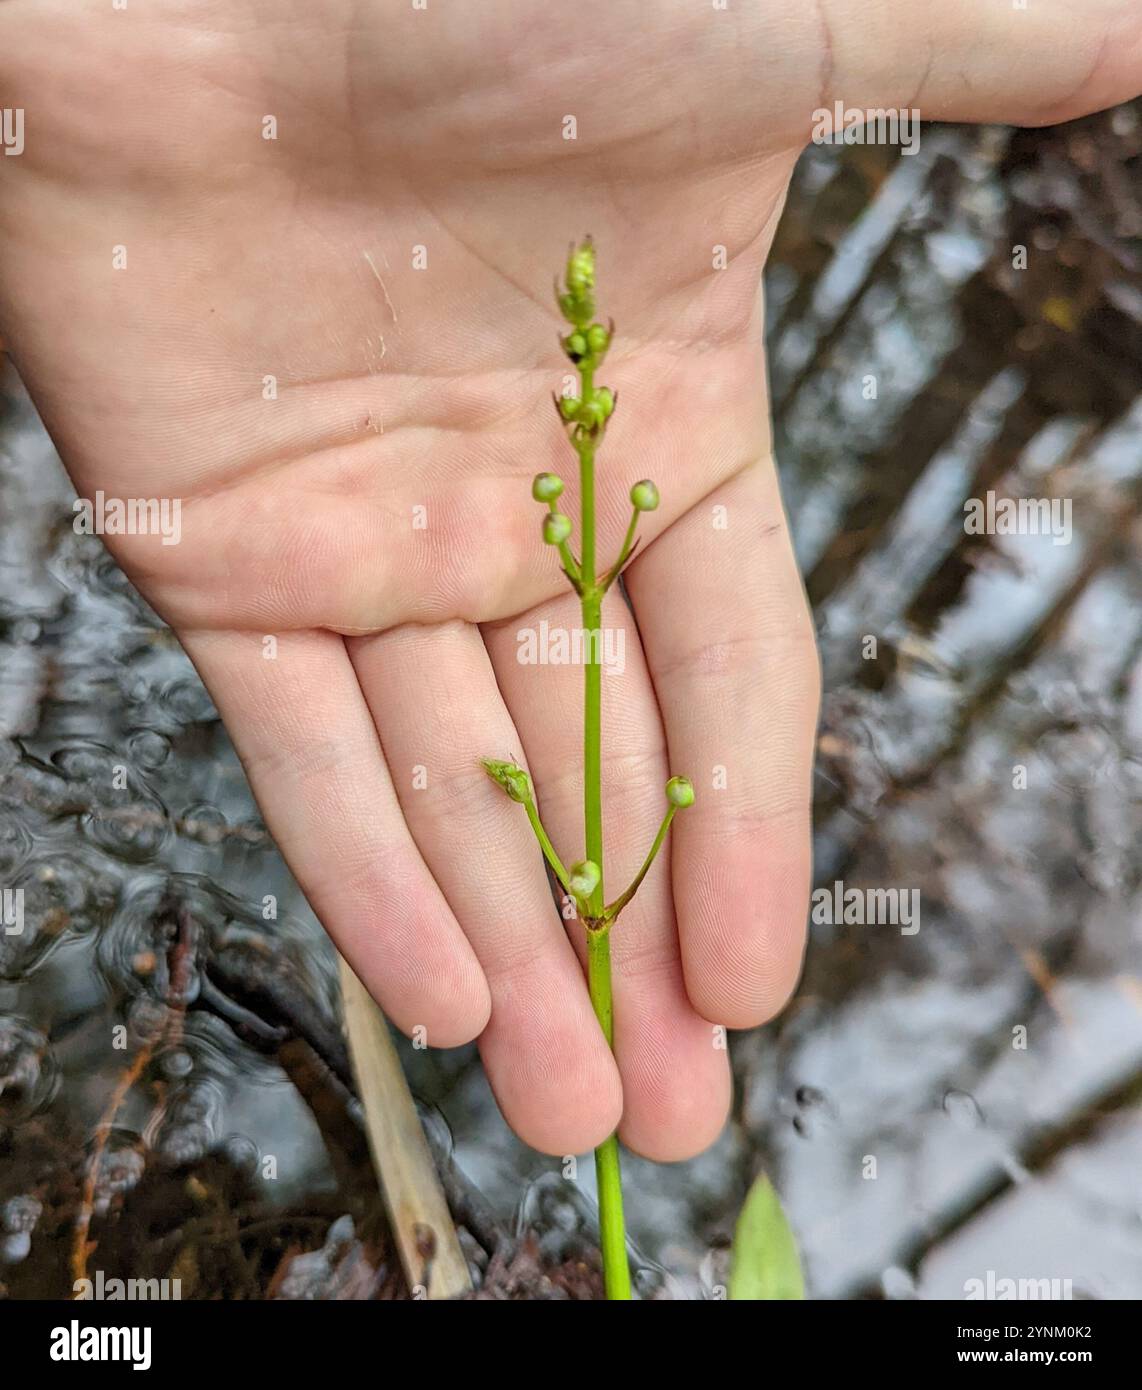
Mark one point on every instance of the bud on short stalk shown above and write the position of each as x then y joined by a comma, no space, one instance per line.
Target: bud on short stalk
680,792
556,528
546,487
584,878
644,496
514,780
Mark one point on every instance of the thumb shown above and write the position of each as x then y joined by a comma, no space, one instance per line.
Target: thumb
1021,62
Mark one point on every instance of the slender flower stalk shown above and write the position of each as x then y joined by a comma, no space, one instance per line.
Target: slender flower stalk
585,417
515,781
679,794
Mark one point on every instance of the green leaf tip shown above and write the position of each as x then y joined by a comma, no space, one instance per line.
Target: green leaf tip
765,1263
511,778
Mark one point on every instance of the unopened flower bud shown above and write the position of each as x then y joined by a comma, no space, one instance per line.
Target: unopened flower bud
575,346
546,487
511,778
598,339
595,409
569,407
577,303
584,878
556,528
680,792
581,268
644,496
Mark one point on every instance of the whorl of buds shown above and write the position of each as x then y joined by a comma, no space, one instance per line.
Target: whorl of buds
596,409
587,346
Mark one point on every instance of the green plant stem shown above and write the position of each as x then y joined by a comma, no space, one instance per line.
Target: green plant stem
612,1232
624,554
592,608
570,564
619,903
608,1176
546,846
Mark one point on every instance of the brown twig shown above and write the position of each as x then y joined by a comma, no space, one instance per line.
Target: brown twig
180,968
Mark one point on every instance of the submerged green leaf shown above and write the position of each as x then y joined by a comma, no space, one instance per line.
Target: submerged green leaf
765,1260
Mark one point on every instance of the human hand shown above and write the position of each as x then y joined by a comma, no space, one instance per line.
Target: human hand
400,389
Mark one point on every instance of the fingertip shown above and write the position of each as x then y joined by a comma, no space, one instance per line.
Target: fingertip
438,998
451,1015
549,1066
680,1120
585,1109
744,925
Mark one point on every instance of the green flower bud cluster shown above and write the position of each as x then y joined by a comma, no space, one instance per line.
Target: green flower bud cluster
587,343
514,780
587,346
592,412
577,301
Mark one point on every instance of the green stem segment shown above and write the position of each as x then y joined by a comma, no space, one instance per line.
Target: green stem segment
570,564
546,846
624,554
619,903
612,1231
608,1177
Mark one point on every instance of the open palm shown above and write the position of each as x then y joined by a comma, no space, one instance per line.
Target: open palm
291,264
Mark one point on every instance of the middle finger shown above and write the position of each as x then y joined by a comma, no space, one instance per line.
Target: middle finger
675,1076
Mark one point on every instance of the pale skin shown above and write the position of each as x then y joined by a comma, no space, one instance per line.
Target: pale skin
402,388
